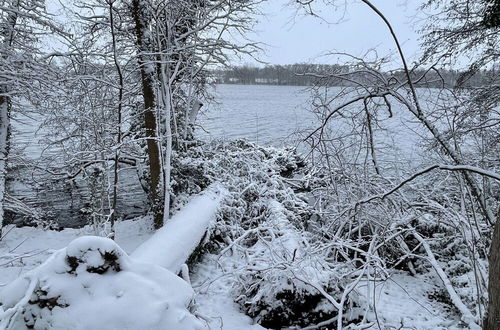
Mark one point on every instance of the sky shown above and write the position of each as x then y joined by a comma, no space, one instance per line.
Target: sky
291,36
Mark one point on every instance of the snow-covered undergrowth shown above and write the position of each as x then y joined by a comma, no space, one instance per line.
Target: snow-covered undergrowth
289,280
297,250
291,249
94,284
261,235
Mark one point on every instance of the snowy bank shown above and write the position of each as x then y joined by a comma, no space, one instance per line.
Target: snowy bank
94,284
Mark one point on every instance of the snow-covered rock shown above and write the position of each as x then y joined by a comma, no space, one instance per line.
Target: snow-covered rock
94,284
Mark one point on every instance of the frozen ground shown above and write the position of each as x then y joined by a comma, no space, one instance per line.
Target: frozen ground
402,302
22,249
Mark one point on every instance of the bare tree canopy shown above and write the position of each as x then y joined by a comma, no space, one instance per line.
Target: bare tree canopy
156,173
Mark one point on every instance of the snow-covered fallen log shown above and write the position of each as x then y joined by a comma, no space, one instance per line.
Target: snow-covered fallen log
172,245
94,284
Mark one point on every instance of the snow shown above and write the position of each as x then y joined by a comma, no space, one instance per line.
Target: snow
152,296
171,245
81,287
401,301
145,290
213,286
24,248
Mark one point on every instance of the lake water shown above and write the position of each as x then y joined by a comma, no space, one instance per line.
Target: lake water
273,115
266,115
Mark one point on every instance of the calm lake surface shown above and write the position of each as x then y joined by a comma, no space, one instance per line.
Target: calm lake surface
273,115
267,115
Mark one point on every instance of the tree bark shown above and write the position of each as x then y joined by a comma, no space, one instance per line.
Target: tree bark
147,76
167,161
492,321
4,150
119,123
5,107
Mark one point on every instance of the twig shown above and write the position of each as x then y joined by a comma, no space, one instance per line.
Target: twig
467,315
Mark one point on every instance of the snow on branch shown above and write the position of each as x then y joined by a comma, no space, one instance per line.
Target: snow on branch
473,169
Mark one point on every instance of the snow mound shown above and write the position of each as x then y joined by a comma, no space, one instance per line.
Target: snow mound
94,284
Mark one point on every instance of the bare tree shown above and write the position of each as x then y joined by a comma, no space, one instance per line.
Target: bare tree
473,28
119,115
372,94
158,50
183,39
22,66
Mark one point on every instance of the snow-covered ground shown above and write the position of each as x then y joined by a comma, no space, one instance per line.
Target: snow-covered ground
69,276
400,301
23,249
94,284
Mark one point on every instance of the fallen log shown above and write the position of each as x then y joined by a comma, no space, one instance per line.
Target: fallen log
94,284
172,244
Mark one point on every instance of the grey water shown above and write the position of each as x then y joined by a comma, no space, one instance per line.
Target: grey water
266,115
282,116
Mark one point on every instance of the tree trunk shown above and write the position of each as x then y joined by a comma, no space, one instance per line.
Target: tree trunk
119,123
4,148
147,77
5,107
492,321
166,99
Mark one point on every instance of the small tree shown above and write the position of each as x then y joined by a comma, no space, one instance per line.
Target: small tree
472,31
370,93
23,67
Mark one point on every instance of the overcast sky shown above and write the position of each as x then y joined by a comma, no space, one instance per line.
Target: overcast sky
293,37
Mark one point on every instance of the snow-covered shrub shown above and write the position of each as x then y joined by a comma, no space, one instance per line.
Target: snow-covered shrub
266,237
93,284
288,280
252,174
462,259
283,277
355,206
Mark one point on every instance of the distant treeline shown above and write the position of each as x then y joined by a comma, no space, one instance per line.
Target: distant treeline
310,74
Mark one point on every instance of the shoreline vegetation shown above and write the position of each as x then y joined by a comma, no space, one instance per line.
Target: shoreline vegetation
389,219
306,74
